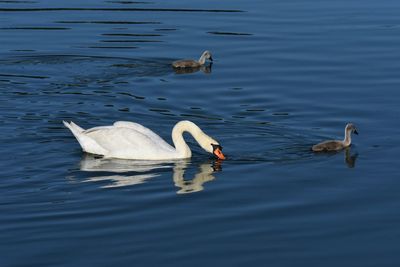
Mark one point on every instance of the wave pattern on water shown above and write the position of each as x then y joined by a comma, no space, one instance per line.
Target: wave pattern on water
119,10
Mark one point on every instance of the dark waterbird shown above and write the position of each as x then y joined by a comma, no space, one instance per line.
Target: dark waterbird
191,63
335,145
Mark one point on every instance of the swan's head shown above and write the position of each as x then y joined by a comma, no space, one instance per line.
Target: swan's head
350,127
212,146
207,55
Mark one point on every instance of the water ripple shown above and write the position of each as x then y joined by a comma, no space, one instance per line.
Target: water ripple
120,9
105,22
36,28
229,33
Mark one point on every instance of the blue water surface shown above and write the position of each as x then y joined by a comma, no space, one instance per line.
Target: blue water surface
285,75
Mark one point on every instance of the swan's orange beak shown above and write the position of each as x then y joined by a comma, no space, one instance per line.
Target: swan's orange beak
218,153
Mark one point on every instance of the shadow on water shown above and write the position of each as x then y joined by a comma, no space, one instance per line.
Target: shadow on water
121,173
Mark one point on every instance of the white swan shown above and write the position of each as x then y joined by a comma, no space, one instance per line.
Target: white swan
191,63
335,145
129,140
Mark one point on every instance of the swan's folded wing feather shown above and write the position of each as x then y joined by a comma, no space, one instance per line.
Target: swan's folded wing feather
114,139
186,63
87,144
98,128
125,142
91,146
145,131
330,145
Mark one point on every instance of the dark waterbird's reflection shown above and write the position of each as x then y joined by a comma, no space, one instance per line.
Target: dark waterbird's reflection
205,69
350,158
120,173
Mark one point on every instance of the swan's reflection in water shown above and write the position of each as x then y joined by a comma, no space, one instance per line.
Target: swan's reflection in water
203,175
120,173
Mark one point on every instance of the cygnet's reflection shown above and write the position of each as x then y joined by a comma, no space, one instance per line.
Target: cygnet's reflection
203,68
131,172
350,158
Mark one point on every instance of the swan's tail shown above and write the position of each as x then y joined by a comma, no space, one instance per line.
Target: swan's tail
88,144
74,128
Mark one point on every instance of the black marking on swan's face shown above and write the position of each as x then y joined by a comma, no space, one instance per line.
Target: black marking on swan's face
214,146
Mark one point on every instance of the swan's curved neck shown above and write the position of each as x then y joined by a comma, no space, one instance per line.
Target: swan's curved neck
181,147
347,137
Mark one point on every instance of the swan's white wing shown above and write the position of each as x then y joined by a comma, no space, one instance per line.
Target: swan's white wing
127,142
97,129
144,130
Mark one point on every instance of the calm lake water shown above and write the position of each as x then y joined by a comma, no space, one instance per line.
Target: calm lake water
286,75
